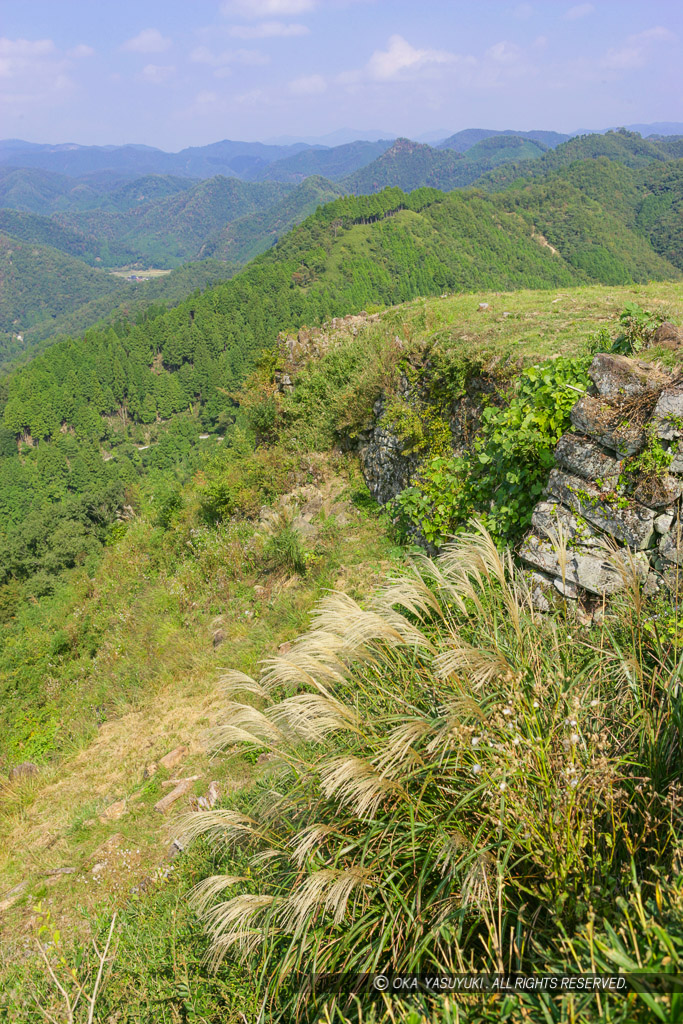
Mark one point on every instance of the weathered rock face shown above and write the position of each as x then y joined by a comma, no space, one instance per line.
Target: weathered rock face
668,414
581,456
609,515
671,544
631,523
668,335
617,376
580,566
602,422
386,467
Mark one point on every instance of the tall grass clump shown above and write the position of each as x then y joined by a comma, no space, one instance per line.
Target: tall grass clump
456,783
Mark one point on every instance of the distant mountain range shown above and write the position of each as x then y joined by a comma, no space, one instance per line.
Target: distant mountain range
61,232
251,161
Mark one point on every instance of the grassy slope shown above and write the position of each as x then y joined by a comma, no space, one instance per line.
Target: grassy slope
125,662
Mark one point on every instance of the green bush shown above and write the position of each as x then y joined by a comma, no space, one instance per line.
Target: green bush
504,474
283,549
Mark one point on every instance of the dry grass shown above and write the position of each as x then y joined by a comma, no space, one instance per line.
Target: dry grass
446,771
53,821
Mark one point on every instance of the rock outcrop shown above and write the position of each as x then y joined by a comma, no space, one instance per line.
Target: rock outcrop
609,515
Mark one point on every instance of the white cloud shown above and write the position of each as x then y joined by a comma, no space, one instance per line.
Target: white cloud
579,11
15,53
157,74
206,98
269,30
637,50
32,73
308,85
81,51
150,40
248,58
267,8
400,56
504,53
523,11
253,97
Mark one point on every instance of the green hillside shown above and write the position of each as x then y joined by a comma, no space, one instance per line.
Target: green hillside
39,283
31,227
213,569
647,200
45,192
246,237
167,231
77,411
660,212
627,148
144,298
147,189
463,141
408,165
331,163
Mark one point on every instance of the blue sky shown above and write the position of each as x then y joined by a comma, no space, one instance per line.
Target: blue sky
173,74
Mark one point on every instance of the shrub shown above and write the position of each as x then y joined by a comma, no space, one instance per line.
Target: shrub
456,784
283,549
503,476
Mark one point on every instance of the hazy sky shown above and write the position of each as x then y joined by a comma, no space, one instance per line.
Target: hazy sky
171,73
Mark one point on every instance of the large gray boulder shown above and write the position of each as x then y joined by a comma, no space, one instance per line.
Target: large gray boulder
631,523
618,376
586,458
581,566
552,520
603,422
659,491
671,545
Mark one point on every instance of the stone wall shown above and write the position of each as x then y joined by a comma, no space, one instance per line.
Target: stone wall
613,501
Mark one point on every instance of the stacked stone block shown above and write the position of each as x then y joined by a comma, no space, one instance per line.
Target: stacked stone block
602,520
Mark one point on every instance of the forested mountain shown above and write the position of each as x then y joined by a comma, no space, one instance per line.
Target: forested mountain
31,227
226,157
38,283
332,163
72,416
133,193
246,237
166,220
648,200
627,148
129,302
246,160
168,230
464,140
45,192
409,165
406,165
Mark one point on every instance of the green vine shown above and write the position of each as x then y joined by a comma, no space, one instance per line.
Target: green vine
503,476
